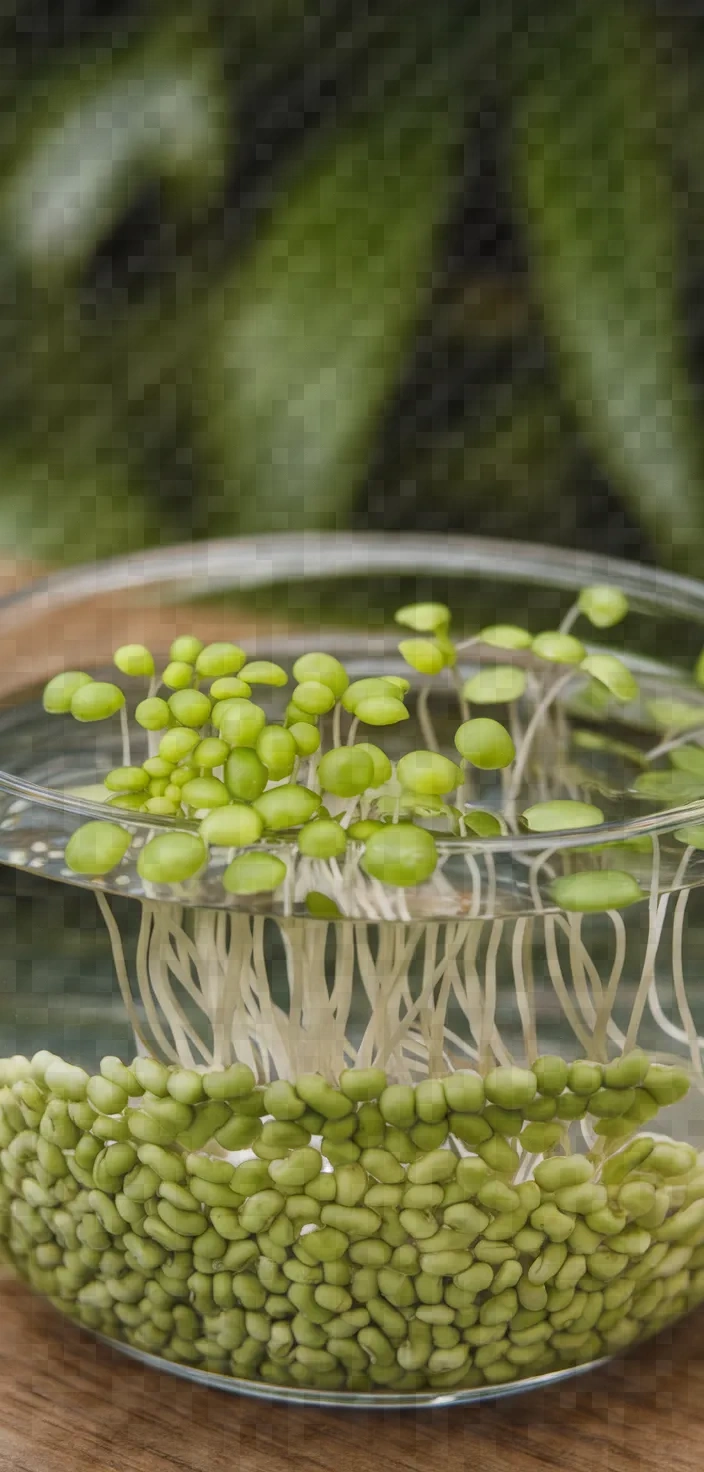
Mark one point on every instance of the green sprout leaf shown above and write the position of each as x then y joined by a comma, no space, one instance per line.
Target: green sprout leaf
612,673
551,817
400,854
603,606
496,685
604,889
693,836
96,848
675,788
668,714
689,759
485,825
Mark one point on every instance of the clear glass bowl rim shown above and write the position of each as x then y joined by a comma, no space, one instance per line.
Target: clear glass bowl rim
260,561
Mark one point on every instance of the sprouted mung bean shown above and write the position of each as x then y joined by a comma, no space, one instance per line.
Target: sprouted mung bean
258,1196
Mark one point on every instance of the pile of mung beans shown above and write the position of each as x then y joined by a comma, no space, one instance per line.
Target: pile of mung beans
357,1237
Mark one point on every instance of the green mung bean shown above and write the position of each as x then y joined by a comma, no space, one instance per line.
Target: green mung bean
583,1199
464,1092
235,1082
494,1252
209,1121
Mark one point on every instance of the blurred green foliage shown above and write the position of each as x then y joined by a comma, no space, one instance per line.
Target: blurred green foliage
280,265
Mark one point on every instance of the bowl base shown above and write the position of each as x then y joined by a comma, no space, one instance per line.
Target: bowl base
382,1400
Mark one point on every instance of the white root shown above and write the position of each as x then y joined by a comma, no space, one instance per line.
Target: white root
607,1002
657,907
388,992
522,948
558,981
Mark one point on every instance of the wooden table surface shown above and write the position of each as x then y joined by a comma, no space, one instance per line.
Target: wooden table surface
68,1404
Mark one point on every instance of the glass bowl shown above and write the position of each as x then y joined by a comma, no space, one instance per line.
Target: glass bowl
378,1146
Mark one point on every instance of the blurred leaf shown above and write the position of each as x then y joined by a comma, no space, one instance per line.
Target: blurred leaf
671,787
92,136
53,507
601,217
308,334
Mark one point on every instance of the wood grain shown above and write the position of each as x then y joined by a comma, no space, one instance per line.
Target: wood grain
67,1404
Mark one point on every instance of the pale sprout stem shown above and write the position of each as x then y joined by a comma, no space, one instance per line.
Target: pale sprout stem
144,983
608,999
558,981
289,886
462,702
125,731
489,1009
570,618
221,925
467,644
589,1134
171,949
476,878
312,774
598,992
396,1029
268,1024
294,960
337,726
514,723
437,1014
320,1008
670,743
491,885
275,1019
341,995
505,781
368,1048
220,1002
543,788
432,1012
656,917
536,865
425,720
464,791
179,1026
578,969
403,910
113,930
470,997
687,1035
458,1048
690,1031
526,1169
682,867
521,955
240,981
349,814
397,989
531,731
352,733
562,731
